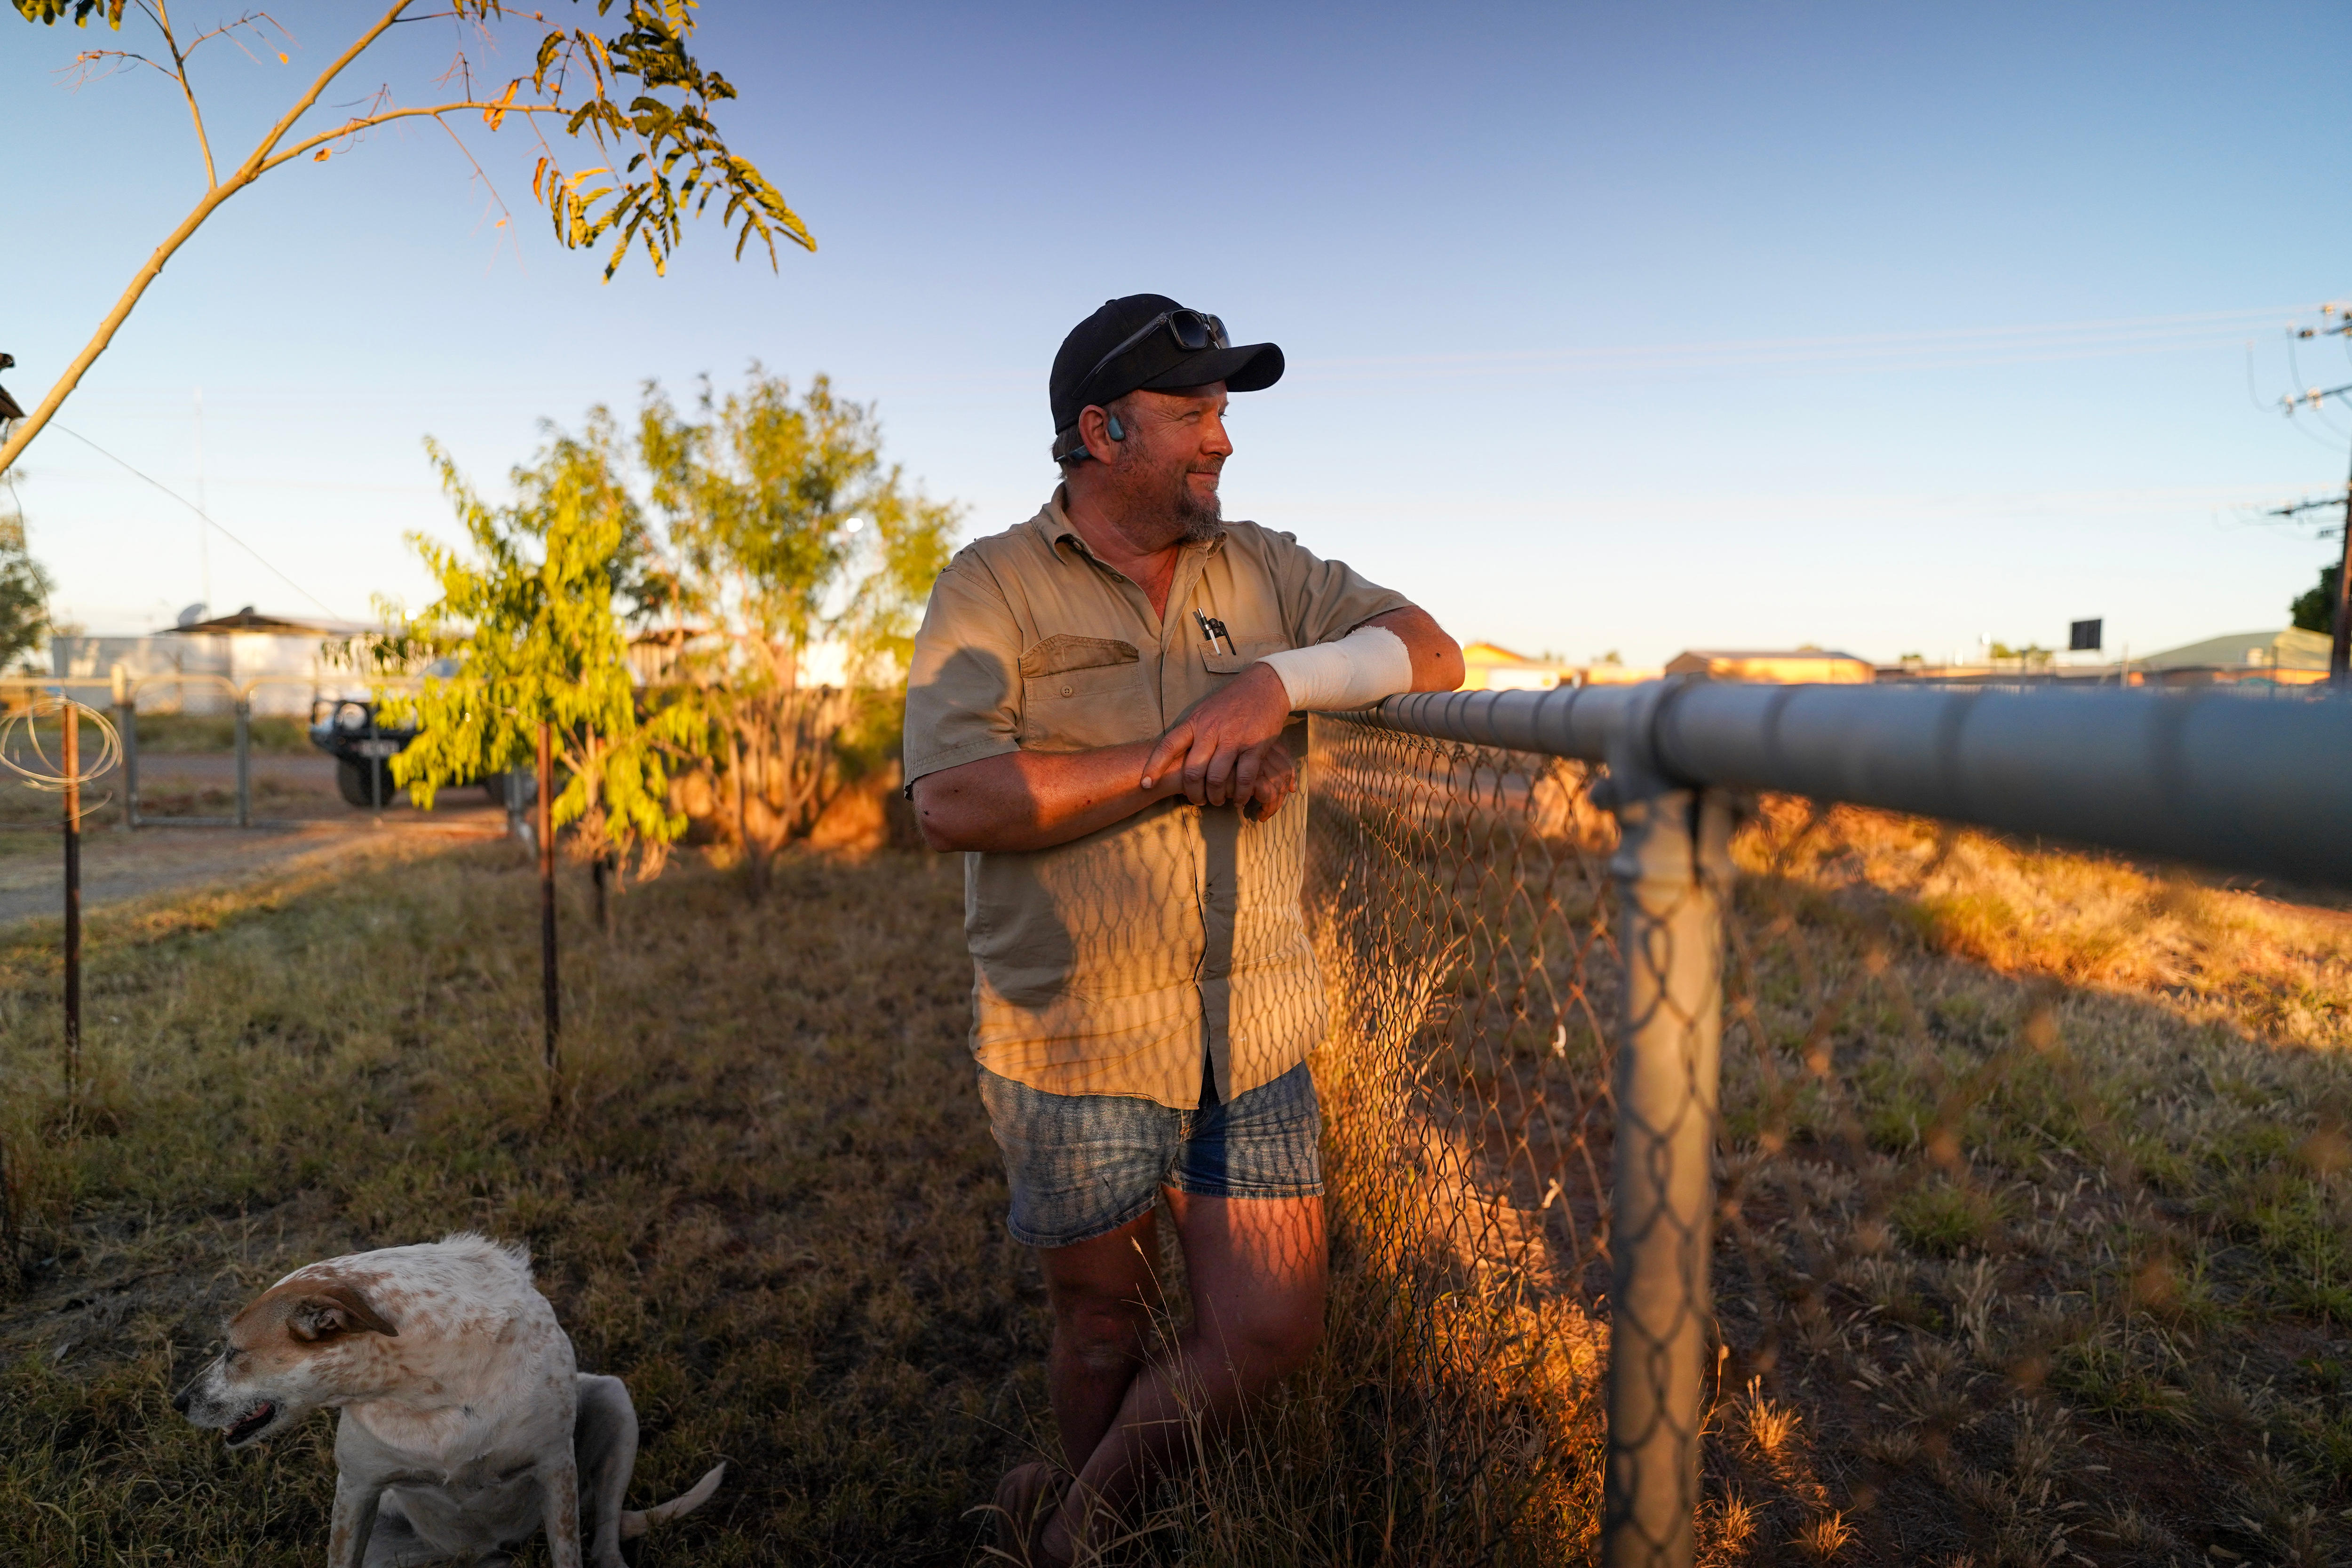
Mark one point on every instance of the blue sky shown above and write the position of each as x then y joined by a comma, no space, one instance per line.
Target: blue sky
1610,327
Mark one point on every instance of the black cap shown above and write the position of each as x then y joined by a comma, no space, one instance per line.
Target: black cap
1157,364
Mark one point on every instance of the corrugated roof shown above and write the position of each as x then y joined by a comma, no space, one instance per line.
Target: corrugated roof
249,619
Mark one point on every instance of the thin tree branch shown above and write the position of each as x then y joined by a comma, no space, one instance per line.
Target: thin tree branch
483,175
259,159
228,30
558,48
365,123
83,61
159,14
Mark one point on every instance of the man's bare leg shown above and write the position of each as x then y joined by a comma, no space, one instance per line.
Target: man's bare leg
1103,1292
1258,1269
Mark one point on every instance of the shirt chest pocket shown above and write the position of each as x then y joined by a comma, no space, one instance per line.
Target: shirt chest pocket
1248,650
1077,693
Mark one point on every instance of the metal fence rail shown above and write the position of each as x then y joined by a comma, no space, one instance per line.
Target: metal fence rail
1481,960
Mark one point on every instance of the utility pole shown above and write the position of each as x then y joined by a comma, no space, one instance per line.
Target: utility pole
204,524
2339,653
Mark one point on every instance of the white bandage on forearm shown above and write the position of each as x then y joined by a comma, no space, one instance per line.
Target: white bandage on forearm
1363,667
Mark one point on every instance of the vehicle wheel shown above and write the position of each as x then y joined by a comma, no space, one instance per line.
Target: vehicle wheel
352,781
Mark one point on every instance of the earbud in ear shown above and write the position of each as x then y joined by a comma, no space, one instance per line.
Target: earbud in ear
1116,432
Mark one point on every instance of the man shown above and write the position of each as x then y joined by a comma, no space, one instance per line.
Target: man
1100,715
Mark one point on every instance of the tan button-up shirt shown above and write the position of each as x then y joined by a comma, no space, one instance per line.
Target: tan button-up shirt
1111,963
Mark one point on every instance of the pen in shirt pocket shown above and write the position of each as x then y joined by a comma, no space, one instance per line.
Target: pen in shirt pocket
1211,630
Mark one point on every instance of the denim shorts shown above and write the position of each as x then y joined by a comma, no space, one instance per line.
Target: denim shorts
1081,1165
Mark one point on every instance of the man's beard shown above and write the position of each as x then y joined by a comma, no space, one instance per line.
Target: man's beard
1203,519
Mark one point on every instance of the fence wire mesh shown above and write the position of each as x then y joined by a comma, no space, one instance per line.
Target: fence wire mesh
2032,1236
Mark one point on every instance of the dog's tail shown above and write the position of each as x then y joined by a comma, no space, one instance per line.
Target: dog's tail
634,1523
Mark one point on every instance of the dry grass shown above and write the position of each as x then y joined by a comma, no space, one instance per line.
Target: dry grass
2038,1203
771,1204
2036,1229
2038,1239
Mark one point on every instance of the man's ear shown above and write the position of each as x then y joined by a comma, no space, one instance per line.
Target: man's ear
332,1307
1098,427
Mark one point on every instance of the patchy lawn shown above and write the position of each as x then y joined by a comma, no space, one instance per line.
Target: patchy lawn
2039,1191
771,1203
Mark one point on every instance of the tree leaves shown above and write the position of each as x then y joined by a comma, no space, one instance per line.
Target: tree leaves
788,527
495,115
51,12
784,528
637,95
23,591
672,160
677,162
526,628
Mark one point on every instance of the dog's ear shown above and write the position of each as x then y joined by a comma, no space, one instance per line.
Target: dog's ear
332,1307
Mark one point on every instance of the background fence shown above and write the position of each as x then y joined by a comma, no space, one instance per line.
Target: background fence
203,694
2024,1198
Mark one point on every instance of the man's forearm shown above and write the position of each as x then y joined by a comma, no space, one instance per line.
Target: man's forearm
1034,800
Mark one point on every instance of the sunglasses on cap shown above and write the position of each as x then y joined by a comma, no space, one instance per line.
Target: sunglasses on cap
1192,329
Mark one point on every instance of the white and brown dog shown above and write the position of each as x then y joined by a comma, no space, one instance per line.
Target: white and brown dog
466,1425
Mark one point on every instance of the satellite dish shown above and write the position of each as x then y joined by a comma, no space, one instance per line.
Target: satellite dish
193,613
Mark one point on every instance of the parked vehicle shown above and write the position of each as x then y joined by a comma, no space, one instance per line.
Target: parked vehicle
346,729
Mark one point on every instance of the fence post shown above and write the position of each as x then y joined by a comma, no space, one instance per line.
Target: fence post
126,726
71,715
244,759
1672,871
551,991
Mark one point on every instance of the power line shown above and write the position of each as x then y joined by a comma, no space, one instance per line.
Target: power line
200,511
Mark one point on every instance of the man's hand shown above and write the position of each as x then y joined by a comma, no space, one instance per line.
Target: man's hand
1276,782
1220,750
1026,800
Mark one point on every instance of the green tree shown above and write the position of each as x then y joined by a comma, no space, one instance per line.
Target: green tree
784,529
630,94
24,588
528,628
2032,655
2314,609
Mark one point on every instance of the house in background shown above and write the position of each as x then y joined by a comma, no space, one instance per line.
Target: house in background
2289,658
1490,667
1796,667
182,670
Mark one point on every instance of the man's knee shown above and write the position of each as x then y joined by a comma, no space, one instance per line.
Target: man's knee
1102,1333
1289,1343
1263,1345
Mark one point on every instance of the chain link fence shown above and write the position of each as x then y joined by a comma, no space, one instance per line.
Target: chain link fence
2021,1231
1459,898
